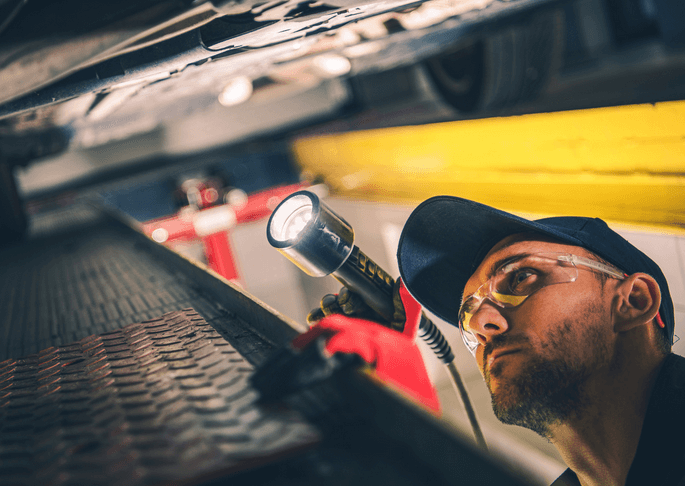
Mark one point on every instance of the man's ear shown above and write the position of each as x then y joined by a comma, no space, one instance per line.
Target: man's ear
637,302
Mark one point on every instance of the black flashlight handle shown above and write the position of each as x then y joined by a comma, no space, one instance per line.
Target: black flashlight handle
366,278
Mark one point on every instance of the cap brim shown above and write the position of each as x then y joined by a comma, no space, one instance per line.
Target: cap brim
443,242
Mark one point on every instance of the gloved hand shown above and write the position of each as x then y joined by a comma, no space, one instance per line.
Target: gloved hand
394,355
351,304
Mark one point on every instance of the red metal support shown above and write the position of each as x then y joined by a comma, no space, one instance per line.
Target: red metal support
220,255
212,226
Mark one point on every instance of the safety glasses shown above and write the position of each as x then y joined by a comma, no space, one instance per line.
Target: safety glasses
520,277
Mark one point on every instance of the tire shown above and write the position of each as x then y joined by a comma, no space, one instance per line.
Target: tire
502,69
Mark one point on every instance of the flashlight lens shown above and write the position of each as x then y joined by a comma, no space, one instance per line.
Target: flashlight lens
296,222
291,218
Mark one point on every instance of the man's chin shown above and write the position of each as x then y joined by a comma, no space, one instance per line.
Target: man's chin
535,396
504,396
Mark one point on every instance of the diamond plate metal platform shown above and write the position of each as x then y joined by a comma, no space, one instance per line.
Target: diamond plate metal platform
166,400
83,272
80,278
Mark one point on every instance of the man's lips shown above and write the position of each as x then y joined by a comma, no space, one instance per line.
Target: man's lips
498,353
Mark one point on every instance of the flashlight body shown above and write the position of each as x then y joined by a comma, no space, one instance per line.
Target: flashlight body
316,239
364,277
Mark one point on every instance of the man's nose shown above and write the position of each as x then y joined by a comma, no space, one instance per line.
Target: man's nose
488,322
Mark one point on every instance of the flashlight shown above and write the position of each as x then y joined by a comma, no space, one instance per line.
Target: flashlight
321,243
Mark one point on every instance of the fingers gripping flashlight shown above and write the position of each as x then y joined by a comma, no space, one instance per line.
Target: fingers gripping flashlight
321,243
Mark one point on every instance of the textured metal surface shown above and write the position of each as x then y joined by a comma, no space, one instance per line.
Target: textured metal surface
153,402
80,275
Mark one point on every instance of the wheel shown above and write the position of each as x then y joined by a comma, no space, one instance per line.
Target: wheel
502,69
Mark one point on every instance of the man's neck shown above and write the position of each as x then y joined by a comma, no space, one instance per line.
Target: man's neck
599,444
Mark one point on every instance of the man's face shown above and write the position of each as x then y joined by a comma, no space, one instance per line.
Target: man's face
537,357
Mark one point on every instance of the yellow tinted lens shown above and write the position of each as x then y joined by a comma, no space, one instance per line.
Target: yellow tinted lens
509,300
465,321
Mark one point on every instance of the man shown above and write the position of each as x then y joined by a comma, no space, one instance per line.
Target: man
571,327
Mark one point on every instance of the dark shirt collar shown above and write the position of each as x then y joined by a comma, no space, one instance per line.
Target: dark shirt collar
660,456
661,451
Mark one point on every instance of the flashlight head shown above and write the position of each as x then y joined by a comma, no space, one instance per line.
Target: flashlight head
310,234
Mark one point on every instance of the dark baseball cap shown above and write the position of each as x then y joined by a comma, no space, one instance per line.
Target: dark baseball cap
446,238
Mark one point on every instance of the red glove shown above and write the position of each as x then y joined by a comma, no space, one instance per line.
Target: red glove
395,356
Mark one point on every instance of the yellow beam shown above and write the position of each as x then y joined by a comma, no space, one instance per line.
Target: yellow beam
623,164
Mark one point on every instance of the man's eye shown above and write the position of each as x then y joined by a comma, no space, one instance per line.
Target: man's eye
522,280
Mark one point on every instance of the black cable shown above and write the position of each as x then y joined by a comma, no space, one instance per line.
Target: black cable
430,333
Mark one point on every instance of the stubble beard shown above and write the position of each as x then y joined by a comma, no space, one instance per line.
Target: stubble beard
546,391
